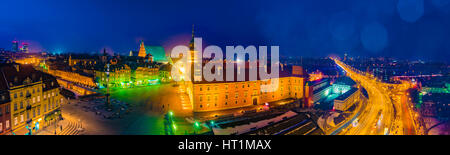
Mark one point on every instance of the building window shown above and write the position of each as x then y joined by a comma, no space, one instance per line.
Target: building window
16,121
201,106
21,105
15,95
15,106
21,94
7,124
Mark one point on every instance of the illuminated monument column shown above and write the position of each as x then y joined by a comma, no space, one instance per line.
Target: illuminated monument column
142,52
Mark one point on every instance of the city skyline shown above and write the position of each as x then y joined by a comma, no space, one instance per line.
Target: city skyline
252,72
400,29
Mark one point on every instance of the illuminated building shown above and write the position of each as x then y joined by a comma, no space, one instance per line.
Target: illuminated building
83,80
314,76
165,73
158,54
142,52
346,100
212,96
33,60
324,91
15,46
146,76
119,76
25,48
5,110
81,60
222,95
104,57
441,87
34,96
133,53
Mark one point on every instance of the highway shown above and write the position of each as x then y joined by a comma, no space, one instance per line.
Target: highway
387,112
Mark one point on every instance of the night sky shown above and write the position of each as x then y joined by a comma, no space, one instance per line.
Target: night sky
407,29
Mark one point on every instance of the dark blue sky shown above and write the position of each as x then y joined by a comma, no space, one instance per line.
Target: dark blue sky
412,29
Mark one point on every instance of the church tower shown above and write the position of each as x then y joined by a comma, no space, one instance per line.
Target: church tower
70,60
142,52
104,56
192,45
196,59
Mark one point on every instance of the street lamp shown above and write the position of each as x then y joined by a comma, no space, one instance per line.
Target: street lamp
196,127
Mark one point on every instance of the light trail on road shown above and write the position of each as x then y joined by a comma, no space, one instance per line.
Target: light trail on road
382,115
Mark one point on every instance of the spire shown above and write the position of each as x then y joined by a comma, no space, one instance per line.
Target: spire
191,44
142,53
193,31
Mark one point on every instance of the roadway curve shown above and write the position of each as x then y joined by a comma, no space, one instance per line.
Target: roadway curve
379,116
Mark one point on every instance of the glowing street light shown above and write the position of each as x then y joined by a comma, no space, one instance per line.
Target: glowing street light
197,124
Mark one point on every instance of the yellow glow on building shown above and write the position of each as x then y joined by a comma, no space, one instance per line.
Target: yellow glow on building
229,95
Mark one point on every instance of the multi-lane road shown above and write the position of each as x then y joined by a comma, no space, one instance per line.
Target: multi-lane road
387,111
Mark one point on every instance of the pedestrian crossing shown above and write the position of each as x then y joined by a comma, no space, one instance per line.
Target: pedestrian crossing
72,128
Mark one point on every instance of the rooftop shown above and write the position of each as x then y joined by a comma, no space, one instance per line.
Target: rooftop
347,94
